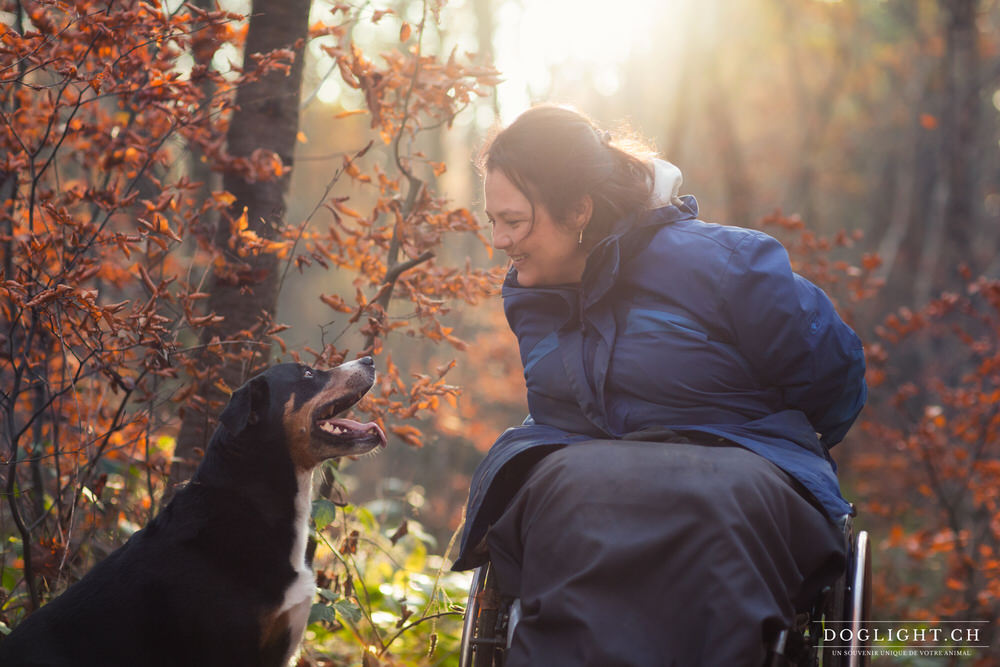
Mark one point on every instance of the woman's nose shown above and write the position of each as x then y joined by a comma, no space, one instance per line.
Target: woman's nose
501,239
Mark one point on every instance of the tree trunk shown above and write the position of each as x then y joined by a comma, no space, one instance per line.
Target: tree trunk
949,240
267,117
896,245
485,33
814,115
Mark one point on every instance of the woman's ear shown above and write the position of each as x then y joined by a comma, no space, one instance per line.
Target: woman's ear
581,213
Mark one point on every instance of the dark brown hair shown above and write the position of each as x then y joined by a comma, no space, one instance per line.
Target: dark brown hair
555,156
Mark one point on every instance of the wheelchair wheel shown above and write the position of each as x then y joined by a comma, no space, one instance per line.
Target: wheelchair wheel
849,607
469,623
860,603
484,632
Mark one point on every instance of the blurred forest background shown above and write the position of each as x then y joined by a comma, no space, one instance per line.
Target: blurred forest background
187,195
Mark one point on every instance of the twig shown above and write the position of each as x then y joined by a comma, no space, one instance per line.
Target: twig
326,193
15,513
14,439
416,186
434,589
118,425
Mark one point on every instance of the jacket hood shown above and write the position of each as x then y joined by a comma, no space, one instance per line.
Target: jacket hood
667,181
666,206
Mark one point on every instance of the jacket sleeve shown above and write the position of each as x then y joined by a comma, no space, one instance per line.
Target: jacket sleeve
793,338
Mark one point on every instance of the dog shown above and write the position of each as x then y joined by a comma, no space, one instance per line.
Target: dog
220,576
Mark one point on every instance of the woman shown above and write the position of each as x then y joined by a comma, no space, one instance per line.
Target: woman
670,499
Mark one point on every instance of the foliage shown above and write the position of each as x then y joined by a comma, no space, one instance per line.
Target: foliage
99,289
933,458
383,586
106,252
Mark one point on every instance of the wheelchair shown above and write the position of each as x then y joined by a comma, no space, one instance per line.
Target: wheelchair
490,618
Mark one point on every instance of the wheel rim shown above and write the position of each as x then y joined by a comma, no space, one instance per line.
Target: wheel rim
468,625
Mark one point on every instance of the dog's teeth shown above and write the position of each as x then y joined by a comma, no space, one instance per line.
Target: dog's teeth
336,430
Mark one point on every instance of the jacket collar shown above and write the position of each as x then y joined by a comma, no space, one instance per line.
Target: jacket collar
628,237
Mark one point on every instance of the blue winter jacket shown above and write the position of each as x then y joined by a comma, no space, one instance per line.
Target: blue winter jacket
677,323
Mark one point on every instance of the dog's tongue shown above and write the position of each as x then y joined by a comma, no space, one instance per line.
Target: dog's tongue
359,428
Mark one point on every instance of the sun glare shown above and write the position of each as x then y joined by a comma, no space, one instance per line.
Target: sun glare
542,48
580,39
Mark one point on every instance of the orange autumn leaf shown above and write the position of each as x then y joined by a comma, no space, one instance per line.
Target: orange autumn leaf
350,112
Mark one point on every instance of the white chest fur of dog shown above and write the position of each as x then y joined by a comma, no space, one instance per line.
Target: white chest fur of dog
299,596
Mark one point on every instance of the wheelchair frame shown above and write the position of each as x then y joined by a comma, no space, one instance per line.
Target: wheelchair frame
490,619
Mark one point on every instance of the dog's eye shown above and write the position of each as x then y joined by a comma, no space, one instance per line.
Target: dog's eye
307,373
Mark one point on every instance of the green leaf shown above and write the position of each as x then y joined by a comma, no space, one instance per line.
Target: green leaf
324,513
322,612
333,466
329,596
9,578
350,611
4,630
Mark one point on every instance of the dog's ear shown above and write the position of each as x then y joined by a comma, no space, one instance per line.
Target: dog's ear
246,406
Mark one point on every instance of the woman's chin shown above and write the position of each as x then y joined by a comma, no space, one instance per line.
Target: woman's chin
526,279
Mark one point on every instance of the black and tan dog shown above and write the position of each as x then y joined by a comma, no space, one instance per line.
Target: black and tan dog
220,576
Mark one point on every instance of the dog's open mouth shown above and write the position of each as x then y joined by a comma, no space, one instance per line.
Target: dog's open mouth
347,432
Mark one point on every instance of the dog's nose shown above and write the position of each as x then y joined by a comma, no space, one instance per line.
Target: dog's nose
367,361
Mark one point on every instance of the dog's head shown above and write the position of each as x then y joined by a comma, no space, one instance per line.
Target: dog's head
303,406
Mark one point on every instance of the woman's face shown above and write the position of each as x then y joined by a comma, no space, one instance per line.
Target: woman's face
544,253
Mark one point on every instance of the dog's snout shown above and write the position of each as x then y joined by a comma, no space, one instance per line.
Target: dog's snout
357,375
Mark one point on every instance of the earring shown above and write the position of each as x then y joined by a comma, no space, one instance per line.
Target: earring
580,240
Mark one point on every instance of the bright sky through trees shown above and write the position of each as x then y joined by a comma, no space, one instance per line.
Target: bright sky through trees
576,40
583,39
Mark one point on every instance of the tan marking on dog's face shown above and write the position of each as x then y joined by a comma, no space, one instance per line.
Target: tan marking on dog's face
298,430
306,453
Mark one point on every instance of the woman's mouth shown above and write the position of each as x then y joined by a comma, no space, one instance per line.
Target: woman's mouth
516,258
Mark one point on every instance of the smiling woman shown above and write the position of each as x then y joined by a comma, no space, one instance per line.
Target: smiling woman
670,499
543,251
547,214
